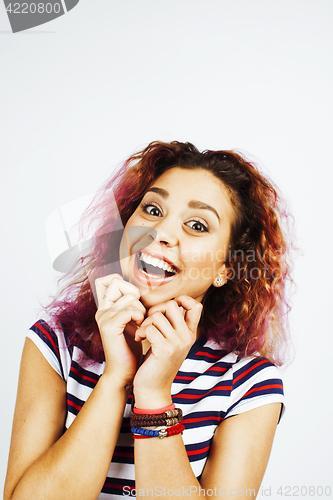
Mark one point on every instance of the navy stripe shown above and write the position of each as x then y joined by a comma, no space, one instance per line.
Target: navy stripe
125,426
202,419
249,370
116,486
205,355
261,389
185,377
270,386
123,454
215,370
218,369
189,396
200,342
83,377
198,451
74,404
84,372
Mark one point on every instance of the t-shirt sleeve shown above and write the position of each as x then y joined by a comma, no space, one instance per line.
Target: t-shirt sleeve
256,382
52,345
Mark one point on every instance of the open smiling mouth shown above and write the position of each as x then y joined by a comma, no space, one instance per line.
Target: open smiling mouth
154,269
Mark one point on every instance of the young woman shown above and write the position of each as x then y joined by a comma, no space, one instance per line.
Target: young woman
188,316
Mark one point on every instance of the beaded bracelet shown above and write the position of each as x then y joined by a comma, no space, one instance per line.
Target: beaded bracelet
177,412
161,432
149,422
168,418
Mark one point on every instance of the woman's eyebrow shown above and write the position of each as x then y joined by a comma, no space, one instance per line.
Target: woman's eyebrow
201,204
192,204
162,192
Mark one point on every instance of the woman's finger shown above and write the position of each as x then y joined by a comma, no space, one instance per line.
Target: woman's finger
157,340
115,324
173,312
110,288
160,322
193,311
127,300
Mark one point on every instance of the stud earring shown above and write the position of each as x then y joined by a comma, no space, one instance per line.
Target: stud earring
219,281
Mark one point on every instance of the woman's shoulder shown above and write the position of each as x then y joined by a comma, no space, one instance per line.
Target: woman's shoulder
53,344
256,381
65,352
54,337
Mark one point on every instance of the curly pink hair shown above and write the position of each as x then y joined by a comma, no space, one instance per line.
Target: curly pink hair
249,314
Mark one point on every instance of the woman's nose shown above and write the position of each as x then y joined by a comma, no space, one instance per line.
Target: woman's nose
166,230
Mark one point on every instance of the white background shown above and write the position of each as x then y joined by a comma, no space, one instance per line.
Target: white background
81,93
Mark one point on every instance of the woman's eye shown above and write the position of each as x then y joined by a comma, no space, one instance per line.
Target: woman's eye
152,210
197,226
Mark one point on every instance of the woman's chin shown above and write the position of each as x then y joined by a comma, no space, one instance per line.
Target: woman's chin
150,298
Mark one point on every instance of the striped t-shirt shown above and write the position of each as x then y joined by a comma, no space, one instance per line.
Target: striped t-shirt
210,386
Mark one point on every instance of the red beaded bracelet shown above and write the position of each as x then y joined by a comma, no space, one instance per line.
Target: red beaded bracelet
165,431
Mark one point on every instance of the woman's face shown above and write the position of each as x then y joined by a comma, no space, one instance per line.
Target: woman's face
181,236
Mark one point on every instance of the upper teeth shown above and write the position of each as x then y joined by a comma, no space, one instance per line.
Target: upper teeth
148,259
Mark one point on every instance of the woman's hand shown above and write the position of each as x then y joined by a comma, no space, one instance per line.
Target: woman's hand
171,328
118,317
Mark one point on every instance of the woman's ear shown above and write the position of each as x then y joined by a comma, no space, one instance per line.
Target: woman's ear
221,277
